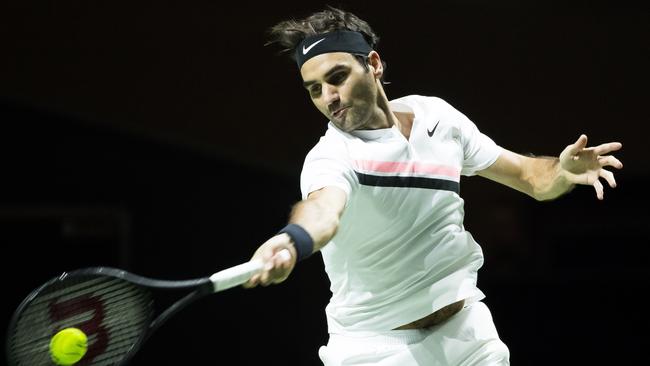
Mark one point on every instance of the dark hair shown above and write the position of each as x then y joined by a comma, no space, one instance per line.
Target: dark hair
289,33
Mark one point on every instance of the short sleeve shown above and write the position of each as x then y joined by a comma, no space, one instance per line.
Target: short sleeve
326,165
479,150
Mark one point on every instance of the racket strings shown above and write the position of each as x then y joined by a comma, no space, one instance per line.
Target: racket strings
112,312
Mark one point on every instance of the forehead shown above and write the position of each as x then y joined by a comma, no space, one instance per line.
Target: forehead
318,66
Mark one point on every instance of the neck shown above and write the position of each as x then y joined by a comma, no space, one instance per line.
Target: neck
389,118
385,116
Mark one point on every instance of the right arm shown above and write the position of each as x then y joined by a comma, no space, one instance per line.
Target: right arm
319,215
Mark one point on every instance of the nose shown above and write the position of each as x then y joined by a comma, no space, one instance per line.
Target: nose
330,94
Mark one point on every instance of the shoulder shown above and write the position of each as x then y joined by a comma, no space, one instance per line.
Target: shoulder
430,103
332,144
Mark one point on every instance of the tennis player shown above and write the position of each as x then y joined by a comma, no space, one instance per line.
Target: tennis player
381,203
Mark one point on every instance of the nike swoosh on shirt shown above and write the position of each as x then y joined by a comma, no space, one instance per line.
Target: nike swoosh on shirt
305,50
430,133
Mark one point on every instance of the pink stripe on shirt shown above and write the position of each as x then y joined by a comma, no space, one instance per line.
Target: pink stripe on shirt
409,167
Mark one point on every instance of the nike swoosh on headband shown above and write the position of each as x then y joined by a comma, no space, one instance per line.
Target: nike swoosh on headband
305,50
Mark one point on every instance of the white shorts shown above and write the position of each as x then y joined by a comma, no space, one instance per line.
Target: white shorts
467,338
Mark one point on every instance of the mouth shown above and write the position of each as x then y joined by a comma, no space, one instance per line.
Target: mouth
340,112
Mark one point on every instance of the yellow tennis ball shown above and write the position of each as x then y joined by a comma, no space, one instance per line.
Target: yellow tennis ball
68,346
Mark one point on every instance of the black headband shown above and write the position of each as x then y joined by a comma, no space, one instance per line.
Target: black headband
339,41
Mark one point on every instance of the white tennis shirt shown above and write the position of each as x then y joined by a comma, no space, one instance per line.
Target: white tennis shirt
401,251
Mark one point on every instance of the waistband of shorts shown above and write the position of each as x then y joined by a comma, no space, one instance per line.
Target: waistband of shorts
391,337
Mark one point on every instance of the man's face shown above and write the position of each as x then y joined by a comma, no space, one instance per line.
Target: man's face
341,88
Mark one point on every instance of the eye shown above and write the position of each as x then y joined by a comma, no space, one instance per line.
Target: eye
314,91
338,78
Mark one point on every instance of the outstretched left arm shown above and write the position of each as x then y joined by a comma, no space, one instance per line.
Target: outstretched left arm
545,178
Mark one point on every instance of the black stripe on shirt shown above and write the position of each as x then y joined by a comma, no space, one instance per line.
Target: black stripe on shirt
410,182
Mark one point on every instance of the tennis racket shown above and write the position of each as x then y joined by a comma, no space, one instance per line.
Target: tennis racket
117,310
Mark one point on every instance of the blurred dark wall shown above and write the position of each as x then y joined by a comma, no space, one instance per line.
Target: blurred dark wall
167,140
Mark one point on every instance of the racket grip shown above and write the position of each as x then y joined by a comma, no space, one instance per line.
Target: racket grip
235,276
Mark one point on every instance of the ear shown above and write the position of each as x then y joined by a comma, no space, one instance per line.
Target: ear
374,61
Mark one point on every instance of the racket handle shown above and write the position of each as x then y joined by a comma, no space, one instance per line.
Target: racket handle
234,276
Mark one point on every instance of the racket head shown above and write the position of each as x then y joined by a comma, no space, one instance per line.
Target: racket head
107,304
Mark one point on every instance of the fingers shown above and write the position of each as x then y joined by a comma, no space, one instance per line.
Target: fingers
607,148
278,256
576,147
277,266
275,270
252,282
599,189
584,168
271,247
601,149
610,160
608,176
598,186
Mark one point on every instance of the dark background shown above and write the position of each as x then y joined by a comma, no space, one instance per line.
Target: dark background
166,139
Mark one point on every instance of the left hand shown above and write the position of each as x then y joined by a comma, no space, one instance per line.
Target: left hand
584,165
